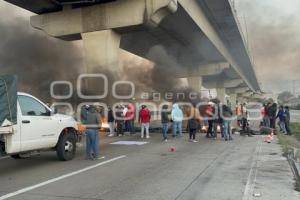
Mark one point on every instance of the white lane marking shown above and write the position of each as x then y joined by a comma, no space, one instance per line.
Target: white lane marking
21,191
253,172
5,157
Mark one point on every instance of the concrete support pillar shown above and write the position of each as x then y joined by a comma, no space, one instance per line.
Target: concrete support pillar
241,99
221,95
195,83
101,50
232,100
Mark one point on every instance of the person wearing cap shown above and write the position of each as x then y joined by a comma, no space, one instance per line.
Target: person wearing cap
84,113
92,134
144,119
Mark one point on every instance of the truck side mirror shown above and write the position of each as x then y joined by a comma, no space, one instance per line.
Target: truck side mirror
52,112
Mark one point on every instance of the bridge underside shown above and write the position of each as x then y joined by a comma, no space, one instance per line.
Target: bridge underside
197,35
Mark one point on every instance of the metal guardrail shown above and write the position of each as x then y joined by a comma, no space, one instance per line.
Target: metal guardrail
294,160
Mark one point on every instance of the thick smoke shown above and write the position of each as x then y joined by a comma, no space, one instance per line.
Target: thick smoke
36,58
164,71
138,70
273,35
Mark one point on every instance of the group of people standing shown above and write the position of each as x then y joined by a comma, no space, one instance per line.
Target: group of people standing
271,113
176,118
124,119
219,118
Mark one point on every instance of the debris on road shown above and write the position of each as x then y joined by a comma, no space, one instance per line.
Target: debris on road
129,143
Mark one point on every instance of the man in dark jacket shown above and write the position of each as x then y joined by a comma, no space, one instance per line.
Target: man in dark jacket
287,119
120,120
84,113
111,122
227,117
272,114
165,121
266,115
93,123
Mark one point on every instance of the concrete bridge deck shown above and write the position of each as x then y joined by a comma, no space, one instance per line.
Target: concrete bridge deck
198,36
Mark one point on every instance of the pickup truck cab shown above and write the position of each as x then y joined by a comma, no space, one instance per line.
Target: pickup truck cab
39,129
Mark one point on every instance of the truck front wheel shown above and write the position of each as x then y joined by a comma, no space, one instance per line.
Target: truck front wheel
66,146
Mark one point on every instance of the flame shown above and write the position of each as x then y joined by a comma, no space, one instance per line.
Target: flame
104,124
204,128
81,128
218,128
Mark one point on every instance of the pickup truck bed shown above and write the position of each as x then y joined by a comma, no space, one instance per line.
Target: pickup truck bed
6,130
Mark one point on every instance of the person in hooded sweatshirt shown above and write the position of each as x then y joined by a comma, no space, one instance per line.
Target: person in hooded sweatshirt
177,117
92,133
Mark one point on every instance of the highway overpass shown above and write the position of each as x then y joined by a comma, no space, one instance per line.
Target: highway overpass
203,36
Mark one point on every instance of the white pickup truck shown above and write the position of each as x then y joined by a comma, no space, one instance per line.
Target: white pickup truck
38,129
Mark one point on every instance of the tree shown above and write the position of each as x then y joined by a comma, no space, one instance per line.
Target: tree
284,97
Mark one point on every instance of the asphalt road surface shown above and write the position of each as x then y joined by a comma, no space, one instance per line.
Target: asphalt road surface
238,170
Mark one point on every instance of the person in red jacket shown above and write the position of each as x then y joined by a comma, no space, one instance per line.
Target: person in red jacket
144,119
129,119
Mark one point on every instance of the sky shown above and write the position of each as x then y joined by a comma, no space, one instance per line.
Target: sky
273,36
272,33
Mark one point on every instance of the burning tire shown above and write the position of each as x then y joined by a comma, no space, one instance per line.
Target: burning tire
66,146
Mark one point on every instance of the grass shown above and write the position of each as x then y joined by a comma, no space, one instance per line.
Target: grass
295,127
291,142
